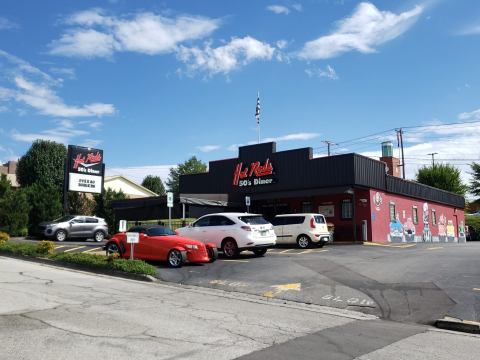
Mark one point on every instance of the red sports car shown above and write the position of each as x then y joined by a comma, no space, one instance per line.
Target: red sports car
161,243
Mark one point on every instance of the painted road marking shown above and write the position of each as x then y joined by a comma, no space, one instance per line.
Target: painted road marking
284,251
281,288
404,246
75,248
304,252
244,261
435,248
229,283
59,247
398,246
476,289
90,250
351,301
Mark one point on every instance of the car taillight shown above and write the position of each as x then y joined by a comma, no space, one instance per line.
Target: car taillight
312,223
247,228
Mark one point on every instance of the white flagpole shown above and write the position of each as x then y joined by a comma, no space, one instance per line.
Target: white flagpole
257,115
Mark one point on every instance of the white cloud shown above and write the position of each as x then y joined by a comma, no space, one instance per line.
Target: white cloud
208,148
59,134
278,9
138,173
68,73
293,137
297,7
329,72
470,116
365,29
6,24
146,33
224,59
30,86
470,30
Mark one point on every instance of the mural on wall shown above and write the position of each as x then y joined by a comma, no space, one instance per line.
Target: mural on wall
442,228
409,230
461,232
377,200
396,230
450,231
427,235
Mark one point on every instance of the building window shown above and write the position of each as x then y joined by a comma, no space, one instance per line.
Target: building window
434,217
392,212
306,207
415,214
347,209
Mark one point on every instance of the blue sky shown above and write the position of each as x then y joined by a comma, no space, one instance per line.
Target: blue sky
153,83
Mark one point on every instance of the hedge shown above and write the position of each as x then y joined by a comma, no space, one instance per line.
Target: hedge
473,223
88,261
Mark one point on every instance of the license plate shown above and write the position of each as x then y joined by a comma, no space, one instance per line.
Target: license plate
263,233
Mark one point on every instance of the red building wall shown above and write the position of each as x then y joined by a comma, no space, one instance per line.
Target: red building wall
448,227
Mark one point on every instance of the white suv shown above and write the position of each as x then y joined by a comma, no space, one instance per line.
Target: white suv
302,229
233,232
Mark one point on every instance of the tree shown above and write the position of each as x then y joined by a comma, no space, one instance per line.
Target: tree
5,185
14,208
80,203
155,184
191,166
475,182
442,176
46,204
104,210
43,163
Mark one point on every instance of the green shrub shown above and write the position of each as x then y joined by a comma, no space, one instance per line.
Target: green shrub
473,223
14,209
45,247
30,250
106,263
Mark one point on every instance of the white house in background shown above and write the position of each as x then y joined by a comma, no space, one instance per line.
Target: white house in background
130,188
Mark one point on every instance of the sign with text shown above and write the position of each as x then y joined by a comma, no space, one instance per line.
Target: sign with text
247,200
254,175
85,169
169,199
133,237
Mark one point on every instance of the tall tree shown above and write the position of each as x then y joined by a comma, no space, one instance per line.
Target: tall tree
14,208
80,203
5,185
155,184
46,204
43,163
191,166
474,187
104,210
442,176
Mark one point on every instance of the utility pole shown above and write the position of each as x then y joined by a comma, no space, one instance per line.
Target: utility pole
400,137
433,157
328,142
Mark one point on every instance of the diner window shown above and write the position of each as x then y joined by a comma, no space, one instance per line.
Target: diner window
434,217
306,207
415,214
347,209
392,211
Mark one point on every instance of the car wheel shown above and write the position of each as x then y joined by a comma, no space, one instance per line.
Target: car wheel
230,248
175,258
259,252
112,249
304,241
61,235
212,254
99,236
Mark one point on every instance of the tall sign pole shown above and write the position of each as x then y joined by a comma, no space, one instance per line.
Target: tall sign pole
170,205
257,115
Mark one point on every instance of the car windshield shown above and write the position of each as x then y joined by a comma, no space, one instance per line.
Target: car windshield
160,231
64,219
253,220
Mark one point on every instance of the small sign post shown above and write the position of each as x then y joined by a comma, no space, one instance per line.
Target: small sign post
170,205
122,226
132,238
247,202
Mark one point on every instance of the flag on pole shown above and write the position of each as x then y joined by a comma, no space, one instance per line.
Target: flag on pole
257,109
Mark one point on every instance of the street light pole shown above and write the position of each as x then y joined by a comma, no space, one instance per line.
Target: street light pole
433,157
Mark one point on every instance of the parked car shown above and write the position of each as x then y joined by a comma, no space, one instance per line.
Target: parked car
75,226
160,243
233,232
302,229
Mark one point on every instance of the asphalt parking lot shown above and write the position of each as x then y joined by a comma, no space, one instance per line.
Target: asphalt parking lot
414,283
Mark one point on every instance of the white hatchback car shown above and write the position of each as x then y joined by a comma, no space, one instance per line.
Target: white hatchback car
302,229
233,232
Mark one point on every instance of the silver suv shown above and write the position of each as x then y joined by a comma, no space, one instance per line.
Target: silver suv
75,226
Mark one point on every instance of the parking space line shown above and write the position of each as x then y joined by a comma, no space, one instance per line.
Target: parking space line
90,250
404,246
75,248
304,252
476,289
319,251
435,248
284,251
59,247
231,260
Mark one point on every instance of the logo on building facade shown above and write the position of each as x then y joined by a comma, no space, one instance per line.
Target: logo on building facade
253,175
377,200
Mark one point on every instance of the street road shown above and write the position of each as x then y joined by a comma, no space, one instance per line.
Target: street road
52,313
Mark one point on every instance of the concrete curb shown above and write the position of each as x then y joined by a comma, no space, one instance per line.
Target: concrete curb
449,323
59,264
